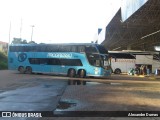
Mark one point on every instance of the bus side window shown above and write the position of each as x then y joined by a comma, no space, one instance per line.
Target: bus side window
32,49
25,48
81,48
11,48
53,61
76,62
48,49
36,61
37,48
55,48
64,48
67,48
51,48
40,48
17,48
43,61
74,49
60,48
31,60
43,48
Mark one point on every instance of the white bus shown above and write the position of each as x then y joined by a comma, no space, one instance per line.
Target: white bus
123,61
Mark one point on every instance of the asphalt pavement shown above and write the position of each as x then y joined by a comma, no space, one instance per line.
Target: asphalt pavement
121,93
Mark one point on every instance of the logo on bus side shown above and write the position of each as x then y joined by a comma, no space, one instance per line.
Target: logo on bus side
22,57
59,55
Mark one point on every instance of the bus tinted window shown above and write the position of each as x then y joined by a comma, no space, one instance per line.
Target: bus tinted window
81,48
43,61
34,60
55,61
11,49
59,48
64,48
94,59
122,55
71,62
42,48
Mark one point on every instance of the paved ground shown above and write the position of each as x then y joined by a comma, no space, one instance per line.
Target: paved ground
29,92
43,92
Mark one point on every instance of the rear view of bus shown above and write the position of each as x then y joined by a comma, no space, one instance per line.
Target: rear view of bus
73,60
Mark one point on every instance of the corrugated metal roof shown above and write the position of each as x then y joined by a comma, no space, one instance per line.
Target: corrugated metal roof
130,34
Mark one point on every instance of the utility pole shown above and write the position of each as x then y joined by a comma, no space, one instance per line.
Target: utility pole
9,36
21,28
32,31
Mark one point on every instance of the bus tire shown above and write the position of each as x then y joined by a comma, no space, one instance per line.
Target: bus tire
71,73
117,71
21,69
82,73
29,70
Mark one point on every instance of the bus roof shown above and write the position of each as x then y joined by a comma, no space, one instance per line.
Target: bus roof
134,52
35,44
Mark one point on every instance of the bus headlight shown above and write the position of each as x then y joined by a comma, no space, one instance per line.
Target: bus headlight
96,71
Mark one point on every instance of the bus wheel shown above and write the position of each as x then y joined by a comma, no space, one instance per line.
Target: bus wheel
82,73
29,70
72,73
117,71
21,70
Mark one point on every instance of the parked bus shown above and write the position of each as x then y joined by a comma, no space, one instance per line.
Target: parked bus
73,60
123,61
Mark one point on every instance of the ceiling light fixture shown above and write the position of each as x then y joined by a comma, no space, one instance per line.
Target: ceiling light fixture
157,48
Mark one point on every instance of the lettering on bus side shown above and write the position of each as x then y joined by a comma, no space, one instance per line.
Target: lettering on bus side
59,55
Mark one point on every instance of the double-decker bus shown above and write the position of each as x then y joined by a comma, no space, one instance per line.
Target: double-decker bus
73,60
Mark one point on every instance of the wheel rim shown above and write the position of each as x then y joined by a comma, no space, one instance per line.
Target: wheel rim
21,70
117,71
29,70
82,73
72,73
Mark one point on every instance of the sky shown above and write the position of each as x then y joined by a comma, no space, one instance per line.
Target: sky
55,21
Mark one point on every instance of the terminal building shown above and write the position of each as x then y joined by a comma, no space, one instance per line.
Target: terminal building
135,26
135,30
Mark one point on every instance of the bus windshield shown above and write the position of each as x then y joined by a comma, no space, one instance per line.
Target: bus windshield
104,60
98,60
102,49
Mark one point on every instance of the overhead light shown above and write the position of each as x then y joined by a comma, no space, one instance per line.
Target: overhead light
157,48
